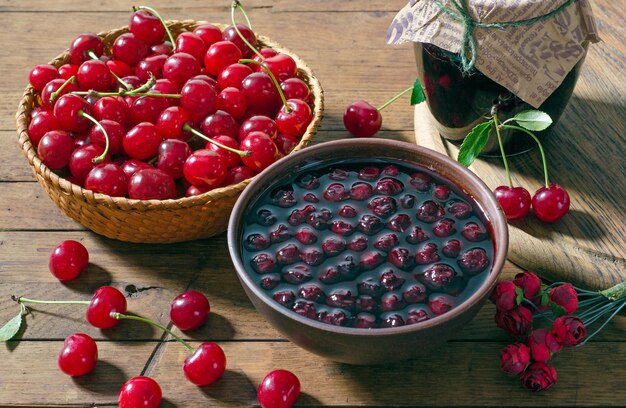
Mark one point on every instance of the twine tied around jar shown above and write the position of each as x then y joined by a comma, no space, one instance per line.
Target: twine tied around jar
469,24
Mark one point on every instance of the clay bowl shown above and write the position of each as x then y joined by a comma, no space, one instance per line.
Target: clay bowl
380,345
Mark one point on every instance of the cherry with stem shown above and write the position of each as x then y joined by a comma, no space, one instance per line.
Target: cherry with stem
237,5
100,158
363,120
157,15
241,153
274,80
128,87
54,95
204,366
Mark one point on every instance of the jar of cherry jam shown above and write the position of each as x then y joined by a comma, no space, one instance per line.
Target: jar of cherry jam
459,101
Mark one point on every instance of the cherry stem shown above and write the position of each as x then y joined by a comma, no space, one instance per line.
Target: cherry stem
93,120
395,98
21,299
120,80
267,70
237,5
242,153
119,316
506,164
543,154
157,15
53,95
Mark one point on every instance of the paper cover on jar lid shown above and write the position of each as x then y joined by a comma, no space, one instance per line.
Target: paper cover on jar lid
528,57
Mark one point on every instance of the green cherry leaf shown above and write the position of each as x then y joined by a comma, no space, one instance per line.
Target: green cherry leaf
9,330
417,96
533,120
474,143
519,295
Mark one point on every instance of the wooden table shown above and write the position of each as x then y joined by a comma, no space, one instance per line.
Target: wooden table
344,43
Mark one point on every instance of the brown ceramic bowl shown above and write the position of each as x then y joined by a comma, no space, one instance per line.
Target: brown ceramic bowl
382,345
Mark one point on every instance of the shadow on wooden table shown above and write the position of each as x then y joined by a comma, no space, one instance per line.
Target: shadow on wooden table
99,381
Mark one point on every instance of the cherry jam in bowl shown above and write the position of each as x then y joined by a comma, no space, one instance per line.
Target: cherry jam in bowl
367,251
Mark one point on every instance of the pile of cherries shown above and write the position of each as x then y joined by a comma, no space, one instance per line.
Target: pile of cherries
188,311
158,117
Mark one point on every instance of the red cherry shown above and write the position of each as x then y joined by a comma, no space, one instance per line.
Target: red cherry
230,34
41,75
281,65
264,151
172,156
147,109
180,67
220,55
151,184
112,108
258,123
55,149
68,70
68,110
79,355
130,167
81,161
119,68
208,80
515,201
164,48
233,101
129,48
261,93
142,141
209,33
195,190
206,365
41,124
362,119
166,86
551,203
198,99
295,88
53,86
189,310
295,121
80,47
266,53
230,158
105,300
94,74
286,143
279,389
114,130
238,174
233,75
147,27
192,44
220,123
140,392
107,178
171,121
205,168
68,260
152,64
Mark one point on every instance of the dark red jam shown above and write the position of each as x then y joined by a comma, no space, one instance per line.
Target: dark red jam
366,244
458,100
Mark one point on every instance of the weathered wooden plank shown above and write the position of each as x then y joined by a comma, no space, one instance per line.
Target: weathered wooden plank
31,377
458,374
151,276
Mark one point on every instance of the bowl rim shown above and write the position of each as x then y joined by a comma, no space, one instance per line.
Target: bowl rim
497,220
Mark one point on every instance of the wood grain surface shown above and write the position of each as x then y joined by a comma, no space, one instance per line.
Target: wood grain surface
344,43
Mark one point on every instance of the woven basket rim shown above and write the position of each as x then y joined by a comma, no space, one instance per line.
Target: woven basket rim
40,169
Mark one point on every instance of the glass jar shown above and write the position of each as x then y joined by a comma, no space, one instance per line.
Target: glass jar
459,102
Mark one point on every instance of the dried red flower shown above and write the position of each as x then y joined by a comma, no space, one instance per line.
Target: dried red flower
515,358
538,377
569,331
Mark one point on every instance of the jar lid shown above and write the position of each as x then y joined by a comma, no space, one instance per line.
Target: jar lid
527,46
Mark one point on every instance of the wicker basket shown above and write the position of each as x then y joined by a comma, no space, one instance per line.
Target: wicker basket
149,221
